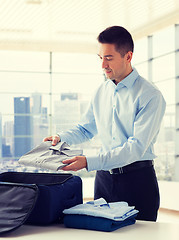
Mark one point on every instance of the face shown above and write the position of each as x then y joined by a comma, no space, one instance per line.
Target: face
114,65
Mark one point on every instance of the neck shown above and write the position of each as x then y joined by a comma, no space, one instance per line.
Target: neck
116,81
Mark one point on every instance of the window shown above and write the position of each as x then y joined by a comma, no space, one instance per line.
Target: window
161,63
41,94
49,92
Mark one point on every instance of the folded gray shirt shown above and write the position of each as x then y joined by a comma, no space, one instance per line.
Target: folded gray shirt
49,157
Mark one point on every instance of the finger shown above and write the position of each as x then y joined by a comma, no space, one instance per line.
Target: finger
68,161
70,167
55,140
47,139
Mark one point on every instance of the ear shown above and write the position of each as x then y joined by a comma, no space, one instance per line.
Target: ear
129,56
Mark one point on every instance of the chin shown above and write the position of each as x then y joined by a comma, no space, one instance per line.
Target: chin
109,77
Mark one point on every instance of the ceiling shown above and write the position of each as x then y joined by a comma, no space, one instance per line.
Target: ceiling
73,25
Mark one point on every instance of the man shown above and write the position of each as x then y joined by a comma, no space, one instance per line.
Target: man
126,112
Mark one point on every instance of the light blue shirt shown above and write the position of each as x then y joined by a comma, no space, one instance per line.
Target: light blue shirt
127,118
118,211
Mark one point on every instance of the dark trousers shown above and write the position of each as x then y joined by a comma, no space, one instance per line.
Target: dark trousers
138,188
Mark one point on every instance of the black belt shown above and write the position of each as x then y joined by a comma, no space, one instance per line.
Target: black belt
132,167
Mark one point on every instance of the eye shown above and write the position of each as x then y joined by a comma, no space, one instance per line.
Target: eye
109,58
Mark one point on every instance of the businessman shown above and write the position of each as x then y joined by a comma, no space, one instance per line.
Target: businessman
126,112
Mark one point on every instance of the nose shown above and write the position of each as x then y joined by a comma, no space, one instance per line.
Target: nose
104,63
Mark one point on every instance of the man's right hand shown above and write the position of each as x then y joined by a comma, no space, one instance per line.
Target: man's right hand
55,139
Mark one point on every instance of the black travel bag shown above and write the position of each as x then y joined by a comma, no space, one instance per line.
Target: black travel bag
36,198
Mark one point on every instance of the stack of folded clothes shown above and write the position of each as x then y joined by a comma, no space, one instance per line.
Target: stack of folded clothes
49,157
100,215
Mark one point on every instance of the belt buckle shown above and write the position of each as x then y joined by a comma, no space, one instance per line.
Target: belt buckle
111,171
120,171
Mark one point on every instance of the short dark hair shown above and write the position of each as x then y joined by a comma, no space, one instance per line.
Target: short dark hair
118,36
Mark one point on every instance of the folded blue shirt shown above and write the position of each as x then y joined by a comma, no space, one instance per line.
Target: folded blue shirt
96,223
118,211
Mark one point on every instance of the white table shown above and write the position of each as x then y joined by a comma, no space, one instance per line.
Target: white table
139,231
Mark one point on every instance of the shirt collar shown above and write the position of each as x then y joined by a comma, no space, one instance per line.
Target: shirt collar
129,80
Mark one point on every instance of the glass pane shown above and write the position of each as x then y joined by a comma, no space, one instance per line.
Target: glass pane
24,61
168,90
68,109
169,120
76,83
165,164
143,70
7,141
26,124
165,148
7,102
24,82
140,51
170,109
164,68
165,151
76,63
164,41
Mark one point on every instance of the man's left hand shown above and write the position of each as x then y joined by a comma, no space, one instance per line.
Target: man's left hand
75,164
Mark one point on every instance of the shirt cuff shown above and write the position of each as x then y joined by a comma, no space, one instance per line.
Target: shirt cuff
93,163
